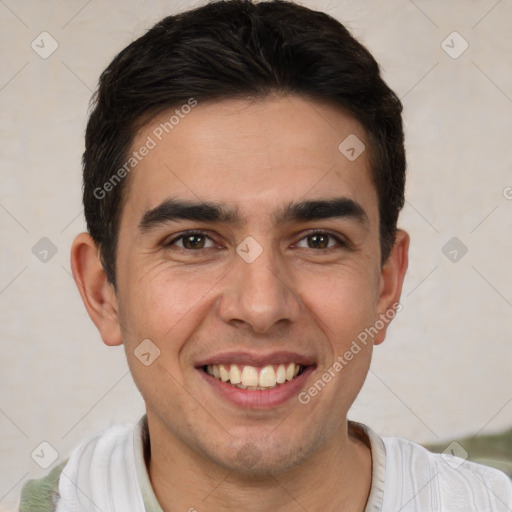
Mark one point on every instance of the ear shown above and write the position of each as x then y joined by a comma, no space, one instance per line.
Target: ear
98,294
391,281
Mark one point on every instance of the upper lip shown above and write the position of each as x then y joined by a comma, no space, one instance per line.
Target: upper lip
256,359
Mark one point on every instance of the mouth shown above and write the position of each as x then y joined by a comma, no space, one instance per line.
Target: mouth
256,381
255,378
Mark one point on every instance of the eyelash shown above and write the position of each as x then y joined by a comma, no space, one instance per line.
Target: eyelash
187,234
339,241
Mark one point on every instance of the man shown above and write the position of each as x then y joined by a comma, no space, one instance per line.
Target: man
243,174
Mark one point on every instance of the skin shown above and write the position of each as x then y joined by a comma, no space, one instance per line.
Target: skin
256,158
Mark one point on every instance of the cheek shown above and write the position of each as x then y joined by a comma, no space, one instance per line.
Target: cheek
165,309
164,305
342,299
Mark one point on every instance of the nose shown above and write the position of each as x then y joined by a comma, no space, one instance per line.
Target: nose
259,295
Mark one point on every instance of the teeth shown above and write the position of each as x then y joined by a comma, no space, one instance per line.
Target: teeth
234,375
281,374
253,378
290,370
224,374
267,377
249,376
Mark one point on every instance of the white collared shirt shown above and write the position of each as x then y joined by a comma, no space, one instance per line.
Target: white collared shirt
109,471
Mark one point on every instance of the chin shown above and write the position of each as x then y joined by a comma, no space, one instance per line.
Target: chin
261,457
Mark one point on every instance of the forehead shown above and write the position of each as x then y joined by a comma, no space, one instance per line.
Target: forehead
253,155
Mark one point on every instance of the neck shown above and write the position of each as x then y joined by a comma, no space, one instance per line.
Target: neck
336,478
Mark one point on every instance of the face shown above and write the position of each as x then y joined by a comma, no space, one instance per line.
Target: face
249,256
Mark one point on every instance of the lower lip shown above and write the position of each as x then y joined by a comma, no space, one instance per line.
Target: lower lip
259,399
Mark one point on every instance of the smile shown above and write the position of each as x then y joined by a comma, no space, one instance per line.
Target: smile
254,378
256,381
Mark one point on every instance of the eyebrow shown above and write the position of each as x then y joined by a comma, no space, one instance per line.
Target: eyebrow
173,210
340,207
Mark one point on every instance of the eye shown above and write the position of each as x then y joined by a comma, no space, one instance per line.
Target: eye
319,240
192,241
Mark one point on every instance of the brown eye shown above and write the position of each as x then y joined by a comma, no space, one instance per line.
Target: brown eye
192,241
319,241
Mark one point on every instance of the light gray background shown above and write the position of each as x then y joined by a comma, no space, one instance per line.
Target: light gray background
445,369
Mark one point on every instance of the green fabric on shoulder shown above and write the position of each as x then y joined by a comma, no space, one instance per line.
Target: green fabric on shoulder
493,450
42,494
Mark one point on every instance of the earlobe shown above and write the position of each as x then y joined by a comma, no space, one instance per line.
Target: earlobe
98,294
391,282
